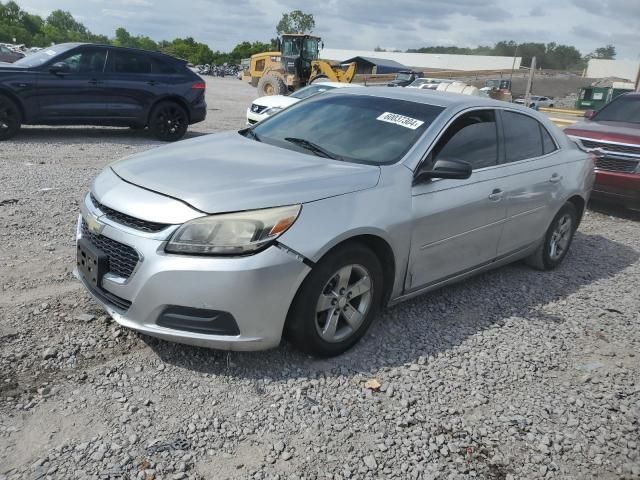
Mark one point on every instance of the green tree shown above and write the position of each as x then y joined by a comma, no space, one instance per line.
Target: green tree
296,22
605,53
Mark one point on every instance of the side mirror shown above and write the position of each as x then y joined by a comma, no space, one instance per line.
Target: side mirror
454,169
59,68
589,114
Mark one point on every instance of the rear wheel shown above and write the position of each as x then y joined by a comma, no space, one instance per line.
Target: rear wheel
271,84
10,118
168,121
337,302
557,240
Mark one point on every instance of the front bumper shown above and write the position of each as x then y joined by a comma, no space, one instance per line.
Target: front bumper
617,187
255,290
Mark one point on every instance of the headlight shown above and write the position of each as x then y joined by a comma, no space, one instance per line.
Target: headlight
233,233
272,111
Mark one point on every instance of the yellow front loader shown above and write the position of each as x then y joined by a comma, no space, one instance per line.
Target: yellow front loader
295,65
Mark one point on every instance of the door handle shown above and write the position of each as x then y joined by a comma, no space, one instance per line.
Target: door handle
152,83
496,195
94,81
555,178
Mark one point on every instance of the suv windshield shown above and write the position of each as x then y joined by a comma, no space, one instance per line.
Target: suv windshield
356,128
311,90
42,56
625,108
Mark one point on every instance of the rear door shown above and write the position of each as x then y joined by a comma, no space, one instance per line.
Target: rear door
533,179
458,223
133,83
78,94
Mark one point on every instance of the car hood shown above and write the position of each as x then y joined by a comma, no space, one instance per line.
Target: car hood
281,101
227,172
613,131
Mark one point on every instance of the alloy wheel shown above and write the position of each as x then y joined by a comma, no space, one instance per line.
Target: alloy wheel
170,120
344,303
560,237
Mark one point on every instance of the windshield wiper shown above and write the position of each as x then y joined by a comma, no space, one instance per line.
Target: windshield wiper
248,132
313,147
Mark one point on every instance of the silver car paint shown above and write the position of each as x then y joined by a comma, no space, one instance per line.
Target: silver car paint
241,174
437,231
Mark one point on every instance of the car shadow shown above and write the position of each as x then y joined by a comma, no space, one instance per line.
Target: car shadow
434,322
88,135
614,210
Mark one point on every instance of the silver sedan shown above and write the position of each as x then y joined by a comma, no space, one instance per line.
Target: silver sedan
311,221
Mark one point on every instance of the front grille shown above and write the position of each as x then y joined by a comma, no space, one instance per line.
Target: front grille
255,108
127,220
616,164
122,258
612,147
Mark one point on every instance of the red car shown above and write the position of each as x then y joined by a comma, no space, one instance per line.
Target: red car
613,134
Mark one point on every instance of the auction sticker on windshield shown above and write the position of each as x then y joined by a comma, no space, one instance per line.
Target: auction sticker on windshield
401,120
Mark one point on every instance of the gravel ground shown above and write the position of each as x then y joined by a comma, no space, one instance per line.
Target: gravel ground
515,374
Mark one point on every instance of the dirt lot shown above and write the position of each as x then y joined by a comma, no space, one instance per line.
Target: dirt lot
515,374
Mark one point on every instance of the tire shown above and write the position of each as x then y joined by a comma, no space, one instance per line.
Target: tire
309,323
271,84
547,256
168,121
551,106
319,78
10,118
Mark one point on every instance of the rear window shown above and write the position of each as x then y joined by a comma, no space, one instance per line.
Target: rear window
160,66
625,108
522,138
357,128
136,63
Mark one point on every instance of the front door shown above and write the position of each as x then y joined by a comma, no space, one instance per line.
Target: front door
79,92
457,223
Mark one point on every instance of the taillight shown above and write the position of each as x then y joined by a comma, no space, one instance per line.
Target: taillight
199,86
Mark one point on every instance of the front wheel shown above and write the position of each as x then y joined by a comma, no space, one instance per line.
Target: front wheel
10,118
557,240
168,121
337,302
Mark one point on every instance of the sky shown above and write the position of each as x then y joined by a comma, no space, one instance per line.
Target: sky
366,24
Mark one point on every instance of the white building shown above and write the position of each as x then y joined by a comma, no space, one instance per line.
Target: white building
626,69
435,61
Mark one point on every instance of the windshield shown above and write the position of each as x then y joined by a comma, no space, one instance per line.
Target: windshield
42,56
356,128
403,76
625,108
311,90
420,81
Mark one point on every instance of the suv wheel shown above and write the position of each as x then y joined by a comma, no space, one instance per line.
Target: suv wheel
557,240
337,302
168,121
10,118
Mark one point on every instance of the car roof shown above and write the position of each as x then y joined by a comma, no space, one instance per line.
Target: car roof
127,49
429,97
336,84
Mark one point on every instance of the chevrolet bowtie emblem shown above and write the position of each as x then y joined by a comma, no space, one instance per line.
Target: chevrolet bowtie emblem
93,224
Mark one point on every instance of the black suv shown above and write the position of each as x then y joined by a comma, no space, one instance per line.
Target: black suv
86,84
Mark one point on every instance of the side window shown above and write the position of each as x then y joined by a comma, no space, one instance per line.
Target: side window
260,65
160,66
548,145
522,138
472,138
133,63
86,61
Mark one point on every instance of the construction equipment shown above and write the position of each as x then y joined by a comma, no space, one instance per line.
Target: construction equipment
295,65
497,89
